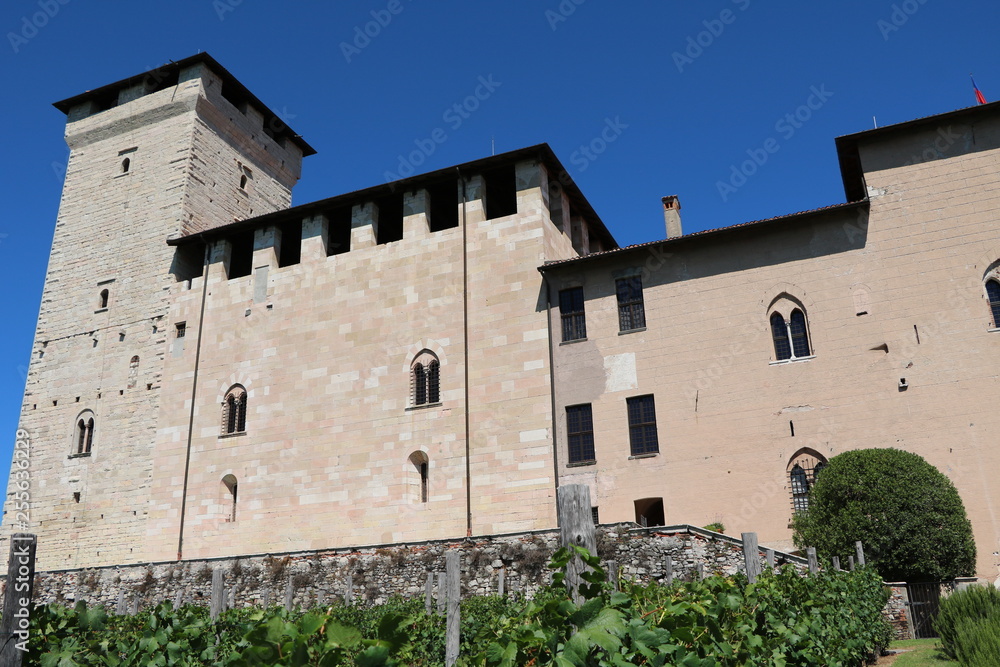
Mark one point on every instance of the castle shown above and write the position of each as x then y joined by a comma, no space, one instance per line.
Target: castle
217,373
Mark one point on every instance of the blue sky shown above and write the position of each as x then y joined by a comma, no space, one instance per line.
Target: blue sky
639,99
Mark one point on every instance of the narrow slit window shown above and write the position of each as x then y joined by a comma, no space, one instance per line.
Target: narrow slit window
103,299
126,165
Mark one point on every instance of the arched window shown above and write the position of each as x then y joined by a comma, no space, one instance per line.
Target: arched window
421,466
993,292
133,372
797,328
782,349
234,411
103,302
791,335
229,481
425,379
83,436
803,471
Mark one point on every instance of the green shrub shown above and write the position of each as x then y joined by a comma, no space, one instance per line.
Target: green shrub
907,514
974,604
715,527
977,642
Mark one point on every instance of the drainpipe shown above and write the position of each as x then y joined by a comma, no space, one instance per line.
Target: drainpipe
465,334
194,394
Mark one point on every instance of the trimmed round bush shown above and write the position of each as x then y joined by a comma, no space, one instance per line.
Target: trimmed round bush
907,514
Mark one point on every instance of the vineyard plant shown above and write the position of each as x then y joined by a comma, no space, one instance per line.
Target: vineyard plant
783,620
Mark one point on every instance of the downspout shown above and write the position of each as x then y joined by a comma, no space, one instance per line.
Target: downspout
465,334
552,384
194,393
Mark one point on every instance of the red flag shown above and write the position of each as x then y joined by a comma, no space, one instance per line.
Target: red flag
979,95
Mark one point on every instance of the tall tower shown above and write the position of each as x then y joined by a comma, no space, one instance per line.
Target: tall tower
176,150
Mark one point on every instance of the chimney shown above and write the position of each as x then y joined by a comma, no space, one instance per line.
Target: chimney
672,216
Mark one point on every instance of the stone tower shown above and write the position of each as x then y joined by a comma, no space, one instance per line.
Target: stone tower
180,149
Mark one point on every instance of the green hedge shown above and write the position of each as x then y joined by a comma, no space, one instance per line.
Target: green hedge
783,620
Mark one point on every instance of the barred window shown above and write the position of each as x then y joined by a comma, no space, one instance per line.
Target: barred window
580,433
234,411
800,339
574,322
993,292
642,425
631,312
803,471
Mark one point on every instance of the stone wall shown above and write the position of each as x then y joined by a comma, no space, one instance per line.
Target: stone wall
897,610
375,573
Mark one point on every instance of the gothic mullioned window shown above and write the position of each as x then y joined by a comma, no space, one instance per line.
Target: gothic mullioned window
83,436
425,379
790,333
234,411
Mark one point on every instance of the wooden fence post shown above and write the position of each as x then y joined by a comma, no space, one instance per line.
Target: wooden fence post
135,606
613,574
320,597
266,598
218,591
501,590
861,553
349,595
453,623
850,563
668,566
769,557
751,556
836,563
699,569
442,595
120,605
813,562
429,593
576,526
17,603
289,594
178,599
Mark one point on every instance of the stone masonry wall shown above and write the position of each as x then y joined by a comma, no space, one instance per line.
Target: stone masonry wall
378,572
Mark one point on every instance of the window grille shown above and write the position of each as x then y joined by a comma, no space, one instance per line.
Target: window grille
580,433
574,322
642,425
234,411
631,312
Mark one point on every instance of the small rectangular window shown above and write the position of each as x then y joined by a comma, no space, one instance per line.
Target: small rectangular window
580,433
631,312
181,329
595,516
574,322
642,425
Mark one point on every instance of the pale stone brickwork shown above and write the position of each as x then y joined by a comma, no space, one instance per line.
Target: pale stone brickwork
320,343
871,279
110,235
